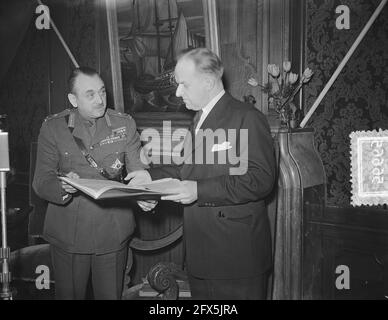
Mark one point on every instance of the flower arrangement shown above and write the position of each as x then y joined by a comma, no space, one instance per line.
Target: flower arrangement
282,89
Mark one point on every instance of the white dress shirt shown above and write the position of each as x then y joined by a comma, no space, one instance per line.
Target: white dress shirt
206,110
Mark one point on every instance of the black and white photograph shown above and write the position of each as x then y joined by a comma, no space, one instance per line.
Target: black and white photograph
200,152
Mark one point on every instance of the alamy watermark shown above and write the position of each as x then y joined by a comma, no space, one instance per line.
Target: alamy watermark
222,146
342,282
42,281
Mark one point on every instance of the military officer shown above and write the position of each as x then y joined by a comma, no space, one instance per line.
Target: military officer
86,236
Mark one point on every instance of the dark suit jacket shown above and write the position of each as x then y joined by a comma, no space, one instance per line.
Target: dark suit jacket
227,233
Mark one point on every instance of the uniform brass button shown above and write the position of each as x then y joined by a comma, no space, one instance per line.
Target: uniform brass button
91,148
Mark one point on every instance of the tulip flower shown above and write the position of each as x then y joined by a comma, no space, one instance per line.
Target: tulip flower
254,83
273,70
307,74
282,89
293,78
286,66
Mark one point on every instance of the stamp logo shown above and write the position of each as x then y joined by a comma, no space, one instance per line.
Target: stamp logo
369,161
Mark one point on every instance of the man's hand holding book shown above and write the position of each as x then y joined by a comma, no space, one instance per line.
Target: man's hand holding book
141,177
67,187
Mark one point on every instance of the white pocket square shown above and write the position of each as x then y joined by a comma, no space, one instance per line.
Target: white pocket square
223,146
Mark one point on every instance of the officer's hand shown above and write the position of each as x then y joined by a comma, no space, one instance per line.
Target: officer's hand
147,205
68,188
138,177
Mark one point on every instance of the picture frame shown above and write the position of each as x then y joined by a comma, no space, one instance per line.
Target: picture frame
151,116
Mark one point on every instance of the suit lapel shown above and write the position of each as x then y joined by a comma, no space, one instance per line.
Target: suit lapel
216,115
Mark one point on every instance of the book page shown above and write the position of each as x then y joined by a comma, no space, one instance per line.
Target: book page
166,186
96,188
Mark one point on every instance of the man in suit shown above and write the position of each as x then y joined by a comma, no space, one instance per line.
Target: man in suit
86,237
226,227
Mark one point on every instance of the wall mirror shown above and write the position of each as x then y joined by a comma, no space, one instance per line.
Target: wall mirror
145,37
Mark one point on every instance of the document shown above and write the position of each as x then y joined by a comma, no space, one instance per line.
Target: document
107,189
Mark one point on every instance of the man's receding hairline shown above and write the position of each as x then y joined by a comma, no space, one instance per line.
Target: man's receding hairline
190,58
86,75
209,67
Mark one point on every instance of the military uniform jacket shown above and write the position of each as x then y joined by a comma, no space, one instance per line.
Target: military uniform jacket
226,231
77,223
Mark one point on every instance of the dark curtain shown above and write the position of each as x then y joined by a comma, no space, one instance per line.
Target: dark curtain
15,17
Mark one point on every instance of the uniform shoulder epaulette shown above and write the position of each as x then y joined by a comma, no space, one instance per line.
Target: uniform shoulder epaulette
57,115
112,112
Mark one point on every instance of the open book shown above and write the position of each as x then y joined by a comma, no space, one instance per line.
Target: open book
106,189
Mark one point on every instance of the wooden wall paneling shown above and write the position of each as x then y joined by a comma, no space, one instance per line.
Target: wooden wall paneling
113,40
253,34
238,39
277,50
368,218
212,27
286,40
354,237
262,52
275,29
297,39
312,261
361,251
227,13
247,46
279,31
